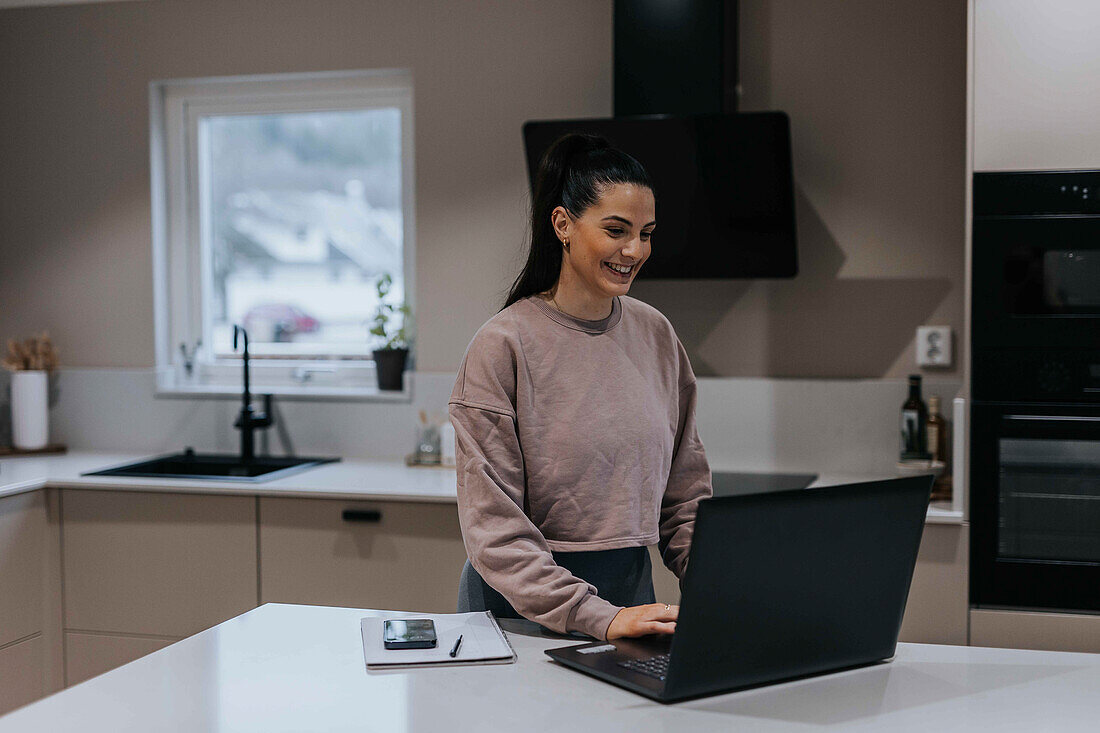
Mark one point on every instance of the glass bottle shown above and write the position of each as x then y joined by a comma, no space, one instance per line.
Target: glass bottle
914,424
937,444
937,430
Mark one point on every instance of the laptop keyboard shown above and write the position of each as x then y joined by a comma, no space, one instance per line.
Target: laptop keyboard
653,666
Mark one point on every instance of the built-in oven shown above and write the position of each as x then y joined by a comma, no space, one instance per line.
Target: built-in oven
1035,390
1035,506
1036,286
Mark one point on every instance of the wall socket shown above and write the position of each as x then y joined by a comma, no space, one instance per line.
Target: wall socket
934,346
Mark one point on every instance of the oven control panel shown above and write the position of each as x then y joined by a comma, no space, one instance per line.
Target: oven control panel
1036,193
1002,375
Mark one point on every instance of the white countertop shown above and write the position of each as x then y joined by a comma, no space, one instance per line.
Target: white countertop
347,479
300,668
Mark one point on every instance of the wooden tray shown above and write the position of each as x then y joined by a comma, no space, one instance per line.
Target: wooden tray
6,451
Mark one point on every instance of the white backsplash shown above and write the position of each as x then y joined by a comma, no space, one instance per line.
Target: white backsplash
746,424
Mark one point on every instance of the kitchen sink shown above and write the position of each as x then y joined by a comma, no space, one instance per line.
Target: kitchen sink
219,467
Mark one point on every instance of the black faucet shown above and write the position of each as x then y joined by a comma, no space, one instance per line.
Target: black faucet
247,420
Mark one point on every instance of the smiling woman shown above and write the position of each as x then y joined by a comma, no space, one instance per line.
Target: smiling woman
604,248
592,214
574,415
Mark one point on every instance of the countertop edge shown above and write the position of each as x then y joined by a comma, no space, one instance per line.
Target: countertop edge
935,515
241,490
438,486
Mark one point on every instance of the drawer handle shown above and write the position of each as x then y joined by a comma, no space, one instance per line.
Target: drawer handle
362,515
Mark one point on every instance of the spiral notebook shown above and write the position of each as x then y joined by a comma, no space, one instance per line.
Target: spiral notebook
483,641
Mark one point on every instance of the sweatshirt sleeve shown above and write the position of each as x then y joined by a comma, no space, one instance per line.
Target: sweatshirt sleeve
689,480
504,546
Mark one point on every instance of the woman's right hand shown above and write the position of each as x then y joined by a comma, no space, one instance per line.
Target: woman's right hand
652,618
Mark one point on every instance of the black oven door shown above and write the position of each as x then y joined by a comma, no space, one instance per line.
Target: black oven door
1036,294
1035,507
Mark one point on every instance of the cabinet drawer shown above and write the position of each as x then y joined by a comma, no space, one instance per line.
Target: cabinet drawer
22,565
22,674
407,557
1055,632
158,564
88,655
936,610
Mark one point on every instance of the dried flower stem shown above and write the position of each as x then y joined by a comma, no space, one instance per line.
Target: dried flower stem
34,353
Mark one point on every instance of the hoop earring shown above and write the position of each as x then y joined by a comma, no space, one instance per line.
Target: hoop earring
565,242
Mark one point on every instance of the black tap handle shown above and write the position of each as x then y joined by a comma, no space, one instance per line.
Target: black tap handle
244,420
239,331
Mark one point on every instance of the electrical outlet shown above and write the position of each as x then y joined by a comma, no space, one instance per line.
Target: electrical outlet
934,346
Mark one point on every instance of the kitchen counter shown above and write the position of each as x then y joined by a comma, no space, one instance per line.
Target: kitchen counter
300,668
348,479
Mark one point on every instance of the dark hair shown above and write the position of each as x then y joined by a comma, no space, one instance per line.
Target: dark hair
573,173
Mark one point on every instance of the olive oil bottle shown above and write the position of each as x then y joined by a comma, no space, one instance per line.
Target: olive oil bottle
914,424
937,446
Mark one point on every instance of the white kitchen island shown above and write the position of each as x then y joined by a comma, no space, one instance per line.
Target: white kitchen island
300,668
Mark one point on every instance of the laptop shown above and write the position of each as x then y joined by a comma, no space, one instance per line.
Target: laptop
779,585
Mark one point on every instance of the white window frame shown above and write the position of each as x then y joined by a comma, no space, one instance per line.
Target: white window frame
180,270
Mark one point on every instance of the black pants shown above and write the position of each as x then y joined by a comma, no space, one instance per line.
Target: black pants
623,577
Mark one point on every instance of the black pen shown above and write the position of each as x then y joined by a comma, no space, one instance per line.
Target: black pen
454,649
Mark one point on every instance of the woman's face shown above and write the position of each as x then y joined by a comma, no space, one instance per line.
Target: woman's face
613,231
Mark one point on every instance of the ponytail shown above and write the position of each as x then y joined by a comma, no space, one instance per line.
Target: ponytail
573,173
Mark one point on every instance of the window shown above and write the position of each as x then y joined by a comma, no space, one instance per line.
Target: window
279,202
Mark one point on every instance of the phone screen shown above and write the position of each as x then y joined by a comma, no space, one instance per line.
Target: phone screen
414,633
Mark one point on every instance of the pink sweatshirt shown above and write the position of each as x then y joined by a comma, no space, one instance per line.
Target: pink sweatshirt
574,435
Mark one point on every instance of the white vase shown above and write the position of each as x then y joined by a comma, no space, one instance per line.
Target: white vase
30,415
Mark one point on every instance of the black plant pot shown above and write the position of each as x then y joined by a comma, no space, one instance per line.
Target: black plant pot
390,364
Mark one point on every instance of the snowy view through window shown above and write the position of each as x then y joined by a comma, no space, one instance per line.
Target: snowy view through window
302,215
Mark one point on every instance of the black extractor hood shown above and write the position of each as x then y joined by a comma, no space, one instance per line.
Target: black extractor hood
725,192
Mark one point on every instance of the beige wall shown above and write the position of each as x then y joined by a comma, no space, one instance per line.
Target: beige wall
875,91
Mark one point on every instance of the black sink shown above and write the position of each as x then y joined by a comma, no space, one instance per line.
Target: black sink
215,466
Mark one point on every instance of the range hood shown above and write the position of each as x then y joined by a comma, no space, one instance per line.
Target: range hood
725,192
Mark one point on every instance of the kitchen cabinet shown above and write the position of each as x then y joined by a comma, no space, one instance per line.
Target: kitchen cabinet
22,559
1034,71
936,610
87,655
29,599
156,564
367,554
1058,632
22,673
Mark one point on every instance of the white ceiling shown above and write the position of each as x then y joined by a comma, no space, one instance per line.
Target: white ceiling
27,3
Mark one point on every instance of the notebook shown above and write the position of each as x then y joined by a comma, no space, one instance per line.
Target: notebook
483,641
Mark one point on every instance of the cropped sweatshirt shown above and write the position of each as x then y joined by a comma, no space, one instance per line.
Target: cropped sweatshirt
574,435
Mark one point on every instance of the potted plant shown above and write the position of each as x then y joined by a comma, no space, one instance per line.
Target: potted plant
390,358
30,363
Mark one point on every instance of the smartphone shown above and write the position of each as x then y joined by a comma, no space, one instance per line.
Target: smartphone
412,633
